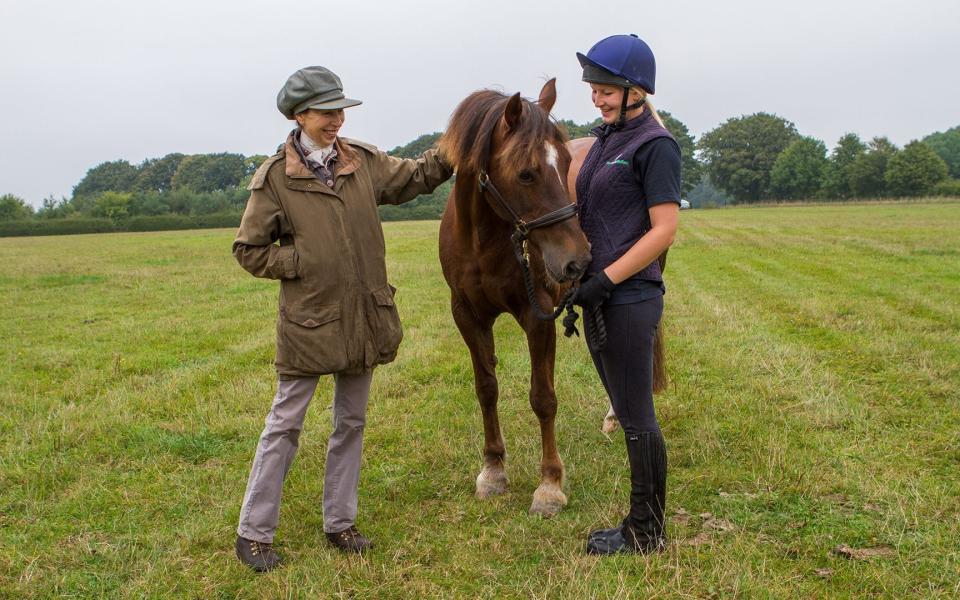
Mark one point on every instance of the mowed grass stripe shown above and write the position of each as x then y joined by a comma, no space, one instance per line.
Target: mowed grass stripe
880,352
925,397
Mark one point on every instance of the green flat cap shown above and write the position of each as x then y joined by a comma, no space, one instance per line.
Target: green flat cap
312,87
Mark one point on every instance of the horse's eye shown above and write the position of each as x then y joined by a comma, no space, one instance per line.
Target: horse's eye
525,176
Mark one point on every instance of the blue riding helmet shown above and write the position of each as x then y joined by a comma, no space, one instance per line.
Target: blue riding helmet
622,60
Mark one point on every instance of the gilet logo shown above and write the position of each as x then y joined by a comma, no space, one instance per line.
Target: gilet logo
617,161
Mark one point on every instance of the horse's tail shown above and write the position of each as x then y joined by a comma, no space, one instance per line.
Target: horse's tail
660,380
659,368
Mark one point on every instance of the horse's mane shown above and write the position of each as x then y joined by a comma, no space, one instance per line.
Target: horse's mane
469,137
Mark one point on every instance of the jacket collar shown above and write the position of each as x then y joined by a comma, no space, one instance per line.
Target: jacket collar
348,162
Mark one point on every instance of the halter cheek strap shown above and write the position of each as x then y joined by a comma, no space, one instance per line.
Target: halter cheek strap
522,228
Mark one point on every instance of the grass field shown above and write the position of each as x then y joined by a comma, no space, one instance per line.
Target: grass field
815,371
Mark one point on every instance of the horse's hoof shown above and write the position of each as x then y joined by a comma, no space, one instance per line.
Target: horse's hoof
610,425
548,501
491,482
610,422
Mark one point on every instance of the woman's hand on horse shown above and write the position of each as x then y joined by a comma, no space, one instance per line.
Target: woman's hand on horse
593,291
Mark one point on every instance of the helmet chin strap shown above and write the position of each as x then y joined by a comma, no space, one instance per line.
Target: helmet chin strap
624,108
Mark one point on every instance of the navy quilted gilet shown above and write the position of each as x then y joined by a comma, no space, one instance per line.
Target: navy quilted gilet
610,194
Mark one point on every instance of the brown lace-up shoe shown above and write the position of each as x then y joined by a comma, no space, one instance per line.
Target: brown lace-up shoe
257,555
350,540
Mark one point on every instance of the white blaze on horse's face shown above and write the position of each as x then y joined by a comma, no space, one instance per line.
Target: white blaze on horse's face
552,160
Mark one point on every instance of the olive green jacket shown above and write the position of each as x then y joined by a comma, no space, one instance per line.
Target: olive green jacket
337,312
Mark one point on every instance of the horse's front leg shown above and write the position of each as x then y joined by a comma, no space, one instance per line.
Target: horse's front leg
549,498
478,335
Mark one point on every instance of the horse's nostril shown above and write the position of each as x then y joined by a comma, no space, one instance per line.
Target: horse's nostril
573,271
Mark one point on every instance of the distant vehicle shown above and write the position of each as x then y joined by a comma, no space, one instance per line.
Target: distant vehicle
684,205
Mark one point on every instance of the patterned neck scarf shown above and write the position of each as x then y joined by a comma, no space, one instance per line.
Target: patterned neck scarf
318,159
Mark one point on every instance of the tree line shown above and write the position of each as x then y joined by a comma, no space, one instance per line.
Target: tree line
762,157
747,159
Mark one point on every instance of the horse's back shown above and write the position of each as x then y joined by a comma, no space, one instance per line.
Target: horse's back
578,149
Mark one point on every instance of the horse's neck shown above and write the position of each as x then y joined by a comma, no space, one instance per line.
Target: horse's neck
475,220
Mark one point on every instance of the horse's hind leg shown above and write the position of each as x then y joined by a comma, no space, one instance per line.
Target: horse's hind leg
549,498
610,422
478,335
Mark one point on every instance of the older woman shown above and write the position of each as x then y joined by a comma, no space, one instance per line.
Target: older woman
318,198
628,192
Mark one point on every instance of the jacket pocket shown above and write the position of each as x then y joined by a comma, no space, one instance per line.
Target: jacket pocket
387,329
310,339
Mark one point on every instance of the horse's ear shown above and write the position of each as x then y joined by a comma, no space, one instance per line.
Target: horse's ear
548,95
511,114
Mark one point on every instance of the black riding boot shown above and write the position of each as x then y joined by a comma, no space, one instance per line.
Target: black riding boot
642,529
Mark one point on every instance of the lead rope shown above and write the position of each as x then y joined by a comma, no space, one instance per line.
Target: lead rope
596,335
519,239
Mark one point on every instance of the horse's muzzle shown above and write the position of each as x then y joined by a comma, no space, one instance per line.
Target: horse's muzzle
574,270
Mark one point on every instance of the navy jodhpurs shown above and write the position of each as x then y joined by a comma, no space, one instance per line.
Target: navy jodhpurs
625,364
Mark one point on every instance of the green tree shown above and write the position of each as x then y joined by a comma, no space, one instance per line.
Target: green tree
739,154
836,184
692,170
705,195
947,187
865,175
149,203
425,206
416,147
156,174
947,146
112,205
797,174
250,166
113,176
914,171
252,163
14,208
179,201
51,208
575,131
209,172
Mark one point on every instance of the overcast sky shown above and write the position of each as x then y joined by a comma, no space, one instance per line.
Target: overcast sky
88,81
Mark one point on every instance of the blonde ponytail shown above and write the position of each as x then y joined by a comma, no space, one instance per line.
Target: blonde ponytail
649,104
654,112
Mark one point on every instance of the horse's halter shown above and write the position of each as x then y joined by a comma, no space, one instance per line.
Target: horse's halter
521,228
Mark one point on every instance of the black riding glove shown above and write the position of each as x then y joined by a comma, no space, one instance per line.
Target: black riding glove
593,291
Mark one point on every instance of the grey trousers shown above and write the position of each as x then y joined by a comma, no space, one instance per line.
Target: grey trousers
260,512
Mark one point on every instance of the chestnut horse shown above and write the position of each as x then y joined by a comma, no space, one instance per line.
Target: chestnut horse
511,165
